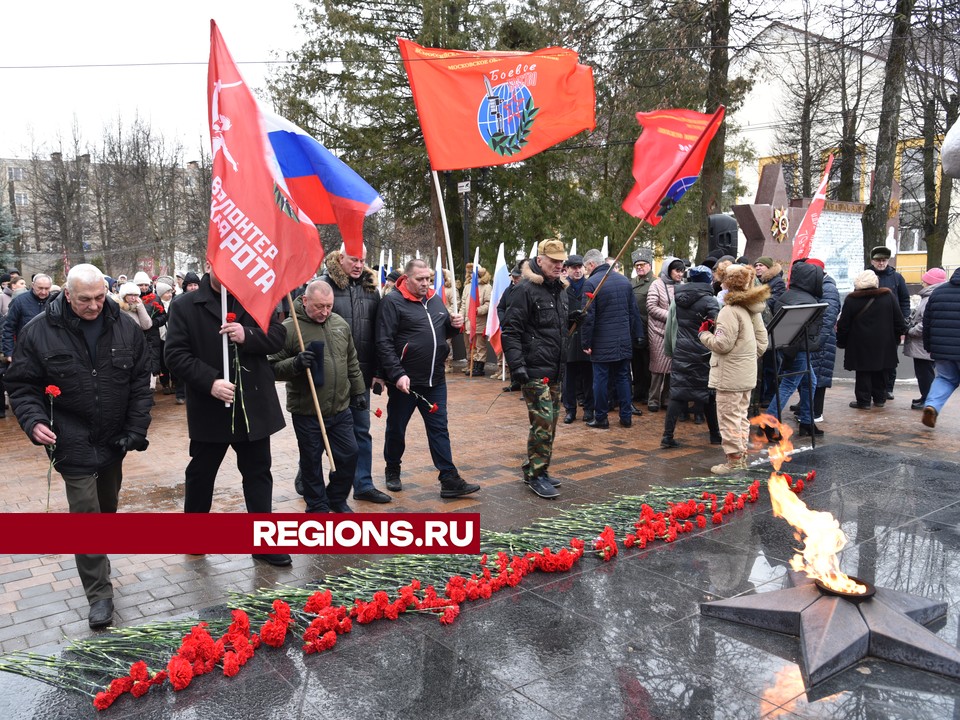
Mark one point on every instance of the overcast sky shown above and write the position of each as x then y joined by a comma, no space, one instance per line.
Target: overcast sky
38,104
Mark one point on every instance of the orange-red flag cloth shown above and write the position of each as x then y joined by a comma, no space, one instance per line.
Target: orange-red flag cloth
667,159
491,108
260,244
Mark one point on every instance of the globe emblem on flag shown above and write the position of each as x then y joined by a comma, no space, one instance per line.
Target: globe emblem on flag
675,192
505,117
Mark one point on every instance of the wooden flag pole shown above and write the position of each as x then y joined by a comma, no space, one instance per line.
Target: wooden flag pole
607,274
446,237
313,388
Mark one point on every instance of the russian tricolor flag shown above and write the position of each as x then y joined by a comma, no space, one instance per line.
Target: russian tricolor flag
324,187
501,281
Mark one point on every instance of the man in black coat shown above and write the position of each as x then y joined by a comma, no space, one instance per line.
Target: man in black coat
356,298
889,278
412,332
578,370
610,329
194,353
534,344
96,358
941,338
22,310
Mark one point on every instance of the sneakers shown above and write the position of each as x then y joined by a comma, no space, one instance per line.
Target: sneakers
391,474
818,418
917,404
556,482
455,486
541,487
668,443
929,416
734,464
372,495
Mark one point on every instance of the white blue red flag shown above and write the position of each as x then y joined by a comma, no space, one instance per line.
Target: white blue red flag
474,296
439,287
501,281
324,187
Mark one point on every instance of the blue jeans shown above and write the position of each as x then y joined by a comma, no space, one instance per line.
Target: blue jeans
343,445
788,385
363,480
400,408
946,381
620,371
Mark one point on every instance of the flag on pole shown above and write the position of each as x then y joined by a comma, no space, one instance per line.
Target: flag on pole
533,250
381,274
260,244
487,108
501,281
803,240
324,187
573,247
389,261
667,159
605,249
474,295
439,287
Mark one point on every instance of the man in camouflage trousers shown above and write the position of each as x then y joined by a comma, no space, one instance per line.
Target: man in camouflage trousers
534,335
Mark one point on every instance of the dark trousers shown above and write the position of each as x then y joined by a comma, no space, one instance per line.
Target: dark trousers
640,365
870,385
578,380
926,371
768,384
400,408
343,445
253,462
819,395
619,371
97,492
678,407
890,379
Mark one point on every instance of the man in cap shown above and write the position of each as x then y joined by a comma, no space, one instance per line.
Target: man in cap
642,265
578,373
534,343
888,277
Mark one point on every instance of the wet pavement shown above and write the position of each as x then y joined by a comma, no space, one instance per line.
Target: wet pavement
621,640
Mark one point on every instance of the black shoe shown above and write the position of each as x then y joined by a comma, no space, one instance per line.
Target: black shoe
716,439
810,429
569,418
668,442
773,434
340,507
684,417
653,407
889,396
857,406
391,475
698,419
556,482
455,486
101,614
372,495
181,401
881,403
588,419
276,559
626,423
636,411
599,424
541,487
298,483
478,371
918,404
795,408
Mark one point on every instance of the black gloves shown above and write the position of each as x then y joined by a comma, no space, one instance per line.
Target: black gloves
520,376
358,402
304,360
131,441
575,317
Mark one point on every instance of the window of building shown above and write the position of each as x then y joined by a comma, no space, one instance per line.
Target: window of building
14,173
21,199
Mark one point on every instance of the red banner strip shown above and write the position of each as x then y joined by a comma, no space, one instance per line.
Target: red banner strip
240,533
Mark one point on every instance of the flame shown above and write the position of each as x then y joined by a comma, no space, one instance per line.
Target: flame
787,685
819,531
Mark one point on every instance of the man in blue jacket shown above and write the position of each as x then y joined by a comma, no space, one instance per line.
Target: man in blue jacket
888,277
610,327
412,330
941,338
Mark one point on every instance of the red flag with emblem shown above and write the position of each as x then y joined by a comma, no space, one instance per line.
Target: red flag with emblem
260,244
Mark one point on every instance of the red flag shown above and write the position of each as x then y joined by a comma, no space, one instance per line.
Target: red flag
803,240
260,244
491,108
667,159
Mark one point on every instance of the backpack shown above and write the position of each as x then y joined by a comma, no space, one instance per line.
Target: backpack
670,330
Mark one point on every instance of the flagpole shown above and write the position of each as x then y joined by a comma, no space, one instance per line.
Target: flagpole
313,388
226,343
446,236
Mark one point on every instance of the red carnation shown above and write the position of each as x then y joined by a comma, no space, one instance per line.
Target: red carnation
231,317
180,672
546,380
378,412
139,671
231,664
701,521
139,689
434,408
52,390
589,295
717,518
103,700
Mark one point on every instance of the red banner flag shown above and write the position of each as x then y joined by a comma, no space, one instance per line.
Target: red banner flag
491,108
667,159
803,240
260,244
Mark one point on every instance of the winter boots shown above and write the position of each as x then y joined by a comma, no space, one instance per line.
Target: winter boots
734,464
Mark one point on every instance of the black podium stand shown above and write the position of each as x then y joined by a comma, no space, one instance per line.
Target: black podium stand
789,324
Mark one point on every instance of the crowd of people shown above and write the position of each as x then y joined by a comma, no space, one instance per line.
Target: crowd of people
576,333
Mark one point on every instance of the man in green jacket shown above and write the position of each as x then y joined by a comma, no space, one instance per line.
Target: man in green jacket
332,358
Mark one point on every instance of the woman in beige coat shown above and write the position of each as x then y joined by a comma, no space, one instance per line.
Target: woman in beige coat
737,341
